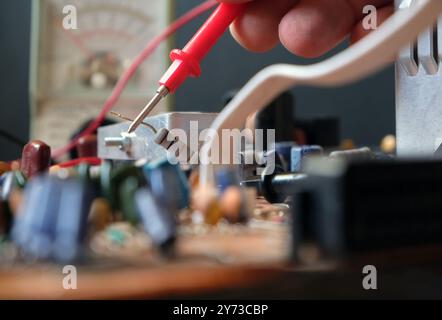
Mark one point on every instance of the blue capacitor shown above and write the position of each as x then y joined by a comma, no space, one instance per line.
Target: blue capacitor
6,185
52,220
284,150
34,227
168,184
75,201
298,153
227,177
159,222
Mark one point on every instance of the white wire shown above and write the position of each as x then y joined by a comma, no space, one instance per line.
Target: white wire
367,56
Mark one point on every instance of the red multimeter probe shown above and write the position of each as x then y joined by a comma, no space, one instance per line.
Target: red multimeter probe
186,62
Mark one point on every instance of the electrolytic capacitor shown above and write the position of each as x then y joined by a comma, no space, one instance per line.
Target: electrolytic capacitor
70,227
299,153
126,196
34,225
159,223
87,146
36,158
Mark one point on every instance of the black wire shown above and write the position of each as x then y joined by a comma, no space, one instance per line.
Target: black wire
11,138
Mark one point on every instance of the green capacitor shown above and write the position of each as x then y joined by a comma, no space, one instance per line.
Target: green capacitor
119,176
126,194
107,189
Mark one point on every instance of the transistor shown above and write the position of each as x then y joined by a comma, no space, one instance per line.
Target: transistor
177,148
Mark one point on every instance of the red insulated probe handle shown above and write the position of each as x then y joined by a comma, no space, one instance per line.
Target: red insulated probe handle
186,62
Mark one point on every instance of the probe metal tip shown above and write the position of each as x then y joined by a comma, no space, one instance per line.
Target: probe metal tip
160,94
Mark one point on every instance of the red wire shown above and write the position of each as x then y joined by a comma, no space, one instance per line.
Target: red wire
72,163
122,82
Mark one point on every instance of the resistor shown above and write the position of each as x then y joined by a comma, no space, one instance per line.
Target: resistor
169,142
364,153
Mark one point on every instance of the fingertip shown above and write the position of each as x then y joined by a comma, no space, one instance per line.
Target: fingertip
257,28
314,27
249,39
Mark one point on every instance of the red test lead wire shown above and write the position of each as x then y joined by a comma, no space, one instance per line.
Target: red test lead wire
186,62
125,78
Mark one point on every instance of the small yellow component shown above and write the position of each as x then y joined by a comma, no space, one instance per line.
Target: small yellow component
54,170
347,144
205,200
194,180
213,213
100,214
388,144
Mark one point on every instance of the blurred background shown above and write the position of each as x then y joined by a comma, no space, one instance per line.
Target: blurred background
365,109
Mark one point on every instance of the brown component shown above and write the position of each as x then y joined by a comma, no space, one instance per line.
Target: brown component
87,146
36,158
4,167
231,201
100,215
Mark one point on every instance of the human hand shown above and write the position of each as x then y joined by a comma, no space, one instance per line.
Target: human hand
308,28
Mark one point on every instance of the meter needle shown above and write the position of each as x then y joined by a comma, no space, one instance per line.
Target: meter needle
186,62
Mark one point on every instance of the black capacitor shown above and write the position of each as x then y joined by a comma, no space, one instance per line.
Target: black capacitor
277,187
5,219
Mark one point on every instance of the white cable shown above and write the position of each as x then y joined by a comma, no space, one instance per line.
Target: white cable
367,56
